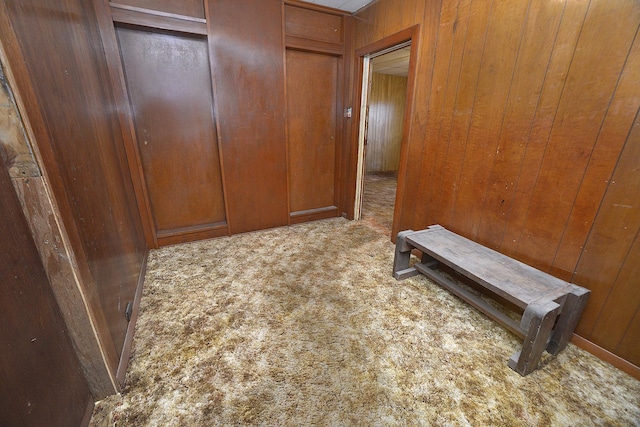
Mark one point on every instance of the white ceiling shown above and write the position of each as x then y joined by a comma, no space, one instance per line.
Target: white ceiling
395,63
347,5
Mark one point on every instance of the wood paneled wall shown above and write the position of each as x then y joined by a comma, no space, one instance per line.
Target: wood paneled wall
224,149
191,8
315,51
170,91
387,101
42,380
248,73
521,113
54,50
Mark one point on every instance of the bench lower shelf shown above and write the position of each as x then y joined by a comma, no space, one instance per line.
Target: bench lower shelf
551,306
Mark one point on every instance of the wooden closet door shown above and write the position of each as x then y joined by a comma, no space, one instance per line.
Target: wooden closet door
169,84
312,109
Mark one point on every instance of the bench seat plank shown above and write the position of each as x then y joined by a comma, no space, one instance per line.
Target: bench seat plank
551,307
511,279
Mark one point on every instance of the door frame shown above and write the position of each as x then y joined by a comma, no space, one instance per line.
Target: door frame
356,161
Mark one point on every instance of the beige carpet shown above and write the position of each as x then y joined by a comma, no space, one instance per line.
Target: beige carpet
378,200
304,325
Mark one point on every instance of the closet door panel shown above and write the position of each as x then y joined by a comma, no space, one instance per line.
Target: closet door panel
312,84
248,71
169,85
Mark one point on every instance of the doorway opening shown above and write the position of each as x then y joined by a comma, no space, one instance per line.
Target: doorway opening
385,80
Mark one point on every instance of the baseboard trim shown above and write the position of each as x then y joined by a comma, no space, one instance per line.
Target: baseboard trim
128,340
88,412
607,356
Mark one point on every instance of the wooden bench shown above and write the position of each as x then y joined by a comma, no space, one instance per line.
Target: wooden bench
551,307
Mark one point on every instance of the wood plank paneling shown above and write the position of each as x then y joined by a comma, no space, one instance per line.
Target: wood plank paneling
473,51
616,124
379,17
363,25
577,122
412,12
313,24
42,380
539,36
622,304
503,39
169,85
517,125
393,16
454,22
193,8
628,347
387,101
52,243
612,237
552,89
55,50
248,73
423,53
312,101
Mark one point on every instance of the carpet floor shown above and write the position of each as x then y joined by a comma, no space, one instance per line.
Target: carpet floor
304,325
378,200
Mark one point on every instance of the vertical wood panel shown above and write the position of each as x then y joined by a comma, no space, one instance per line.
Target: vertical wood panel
619,119
123,107
412,12
393,16
386,118
463,107
535,50
576,125
313,24
454,23
552,89
623,301
248,72
424,56
169,83
379,20
363,27
541,143
61,73
312,82
504,34
628,347
42,381
607,249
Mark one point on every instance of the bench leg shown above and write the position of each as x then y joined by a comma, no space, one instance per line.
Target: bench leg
537,321
401,269
571,311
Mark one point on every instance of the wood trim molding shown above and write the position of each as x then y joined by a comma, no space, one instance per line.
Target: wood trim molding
155,19
311,45
199,233
607,356
314,214
88,413
175,232
156,12
412,33
59,261
131,328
